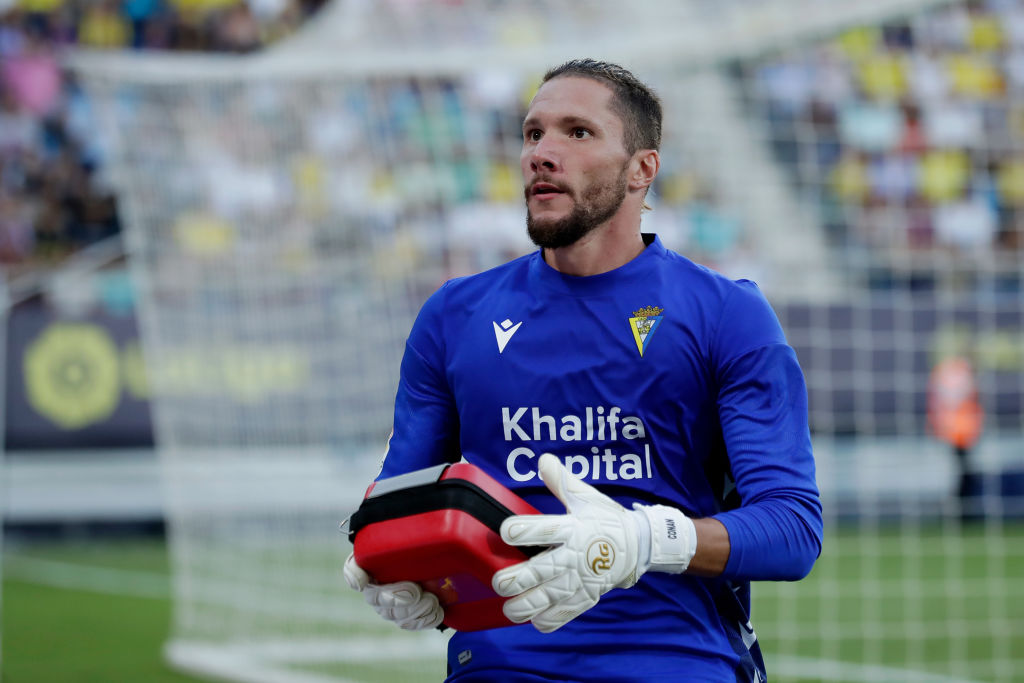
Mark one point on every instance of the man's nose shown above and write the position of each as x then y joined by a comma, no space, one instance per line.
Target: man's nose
544,157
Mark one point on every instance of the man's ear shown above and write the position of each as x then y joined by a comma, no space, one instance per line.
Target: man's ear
644,167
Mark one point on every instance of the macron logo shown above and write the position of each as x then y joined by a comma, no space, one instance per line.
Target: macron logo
504,332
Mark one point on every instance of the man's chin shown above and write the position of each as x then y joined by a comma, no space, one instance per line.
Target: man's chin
548,224
554,234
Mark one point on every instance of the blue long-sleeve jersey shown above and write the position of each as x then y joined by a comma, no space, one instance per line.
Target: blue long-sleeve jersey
659,382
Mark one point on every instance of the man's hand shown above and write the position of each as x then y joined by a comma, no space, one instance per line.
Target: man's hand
599,545
404,603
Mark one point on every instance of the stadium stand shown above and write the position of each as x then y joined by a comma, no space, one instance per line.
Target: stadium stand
898,118
918,128
54,196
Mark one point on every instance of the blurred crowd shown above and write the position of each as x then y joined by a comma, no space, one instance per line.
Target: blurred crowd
54,197
911,135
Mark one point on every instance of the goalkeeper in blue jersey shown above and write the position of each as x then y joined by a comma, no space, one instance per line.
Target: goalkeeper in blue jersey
629,393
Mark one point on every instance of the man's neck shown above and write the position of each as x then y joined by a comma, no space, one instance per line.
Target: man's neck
603,250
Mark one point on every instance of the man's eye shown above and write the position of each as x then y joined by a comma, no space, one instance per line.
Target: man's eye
580,133
533,135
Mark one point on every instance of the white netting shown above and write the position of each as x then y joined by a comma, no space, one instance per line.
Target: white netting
287,214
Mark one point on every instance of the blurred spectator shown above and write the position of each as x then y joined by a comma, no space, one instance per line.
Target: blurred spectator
928,80
967,223
103,26
144,16
238,30
20,131
31,74
52,198
17,238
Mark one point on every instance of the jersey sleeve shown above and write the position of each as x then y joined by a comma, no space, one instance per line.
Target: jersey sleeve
425,430
776,533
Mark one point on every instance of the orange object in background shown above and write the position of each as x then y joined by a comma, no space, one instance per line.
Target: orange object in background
954,413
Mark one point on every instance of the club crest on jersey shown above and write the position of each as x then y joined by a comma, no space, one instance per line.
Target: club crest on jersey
643,325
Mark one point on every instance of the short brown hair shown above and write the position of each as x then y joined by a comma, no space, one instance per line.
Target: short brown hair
636,104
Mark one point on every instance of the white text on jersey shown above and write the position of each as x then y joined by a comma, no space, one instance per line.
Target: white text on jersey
616,467
593,424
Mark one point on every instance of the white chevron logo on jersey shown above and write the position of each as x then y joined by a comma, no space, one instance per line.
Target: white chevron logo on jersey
504,332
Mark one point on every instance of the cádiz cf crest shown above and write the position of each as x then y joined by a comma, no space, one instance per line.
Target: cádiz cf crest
643,324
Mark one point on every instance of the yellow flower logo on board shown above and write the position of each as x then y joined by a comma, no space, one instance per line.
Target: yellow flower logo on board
71,374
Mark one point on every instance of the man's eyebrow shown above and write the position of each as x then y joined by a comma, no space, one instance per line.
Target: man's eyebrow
565,121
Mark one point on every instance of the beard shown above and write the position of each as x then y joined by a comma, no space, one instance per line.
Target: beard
597,204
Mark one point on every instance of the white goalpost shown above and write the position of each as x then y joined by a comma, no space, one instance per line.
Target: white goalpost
287,213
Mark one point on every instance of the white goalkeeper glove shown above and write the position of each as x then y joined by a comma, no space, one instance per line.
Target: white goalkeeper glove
404,603
599,545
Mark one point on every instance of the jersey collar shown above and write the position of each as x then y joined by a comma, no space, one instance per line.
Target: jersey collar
576,285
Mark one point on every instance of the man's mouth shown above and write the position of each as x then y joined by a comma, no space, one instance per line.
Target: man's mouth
545,189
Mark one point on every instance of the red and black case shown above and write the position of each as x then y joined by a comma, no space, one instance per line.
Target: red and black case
440,527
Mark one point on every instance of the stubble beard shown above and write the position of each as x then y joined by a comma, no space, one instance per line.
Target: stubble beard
596,205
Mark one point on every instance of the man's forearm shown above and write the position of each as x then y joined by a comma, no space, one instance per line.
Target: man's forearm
712,548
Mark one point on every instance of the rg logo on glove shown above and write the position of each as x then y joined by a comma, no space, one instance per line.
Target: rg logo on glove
600,557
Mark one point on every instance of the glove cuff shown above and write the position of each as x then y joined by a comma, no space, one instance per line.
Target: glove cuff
673,538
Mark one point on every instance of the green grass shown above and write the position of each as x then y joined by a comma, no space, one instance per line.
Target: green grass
880,606
944,600
60,635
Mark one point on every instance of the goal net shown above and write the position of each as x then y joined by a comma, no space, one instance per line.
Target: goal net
286,214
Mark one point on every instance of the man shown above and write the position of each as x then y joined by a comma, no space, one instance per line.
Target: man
658,401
